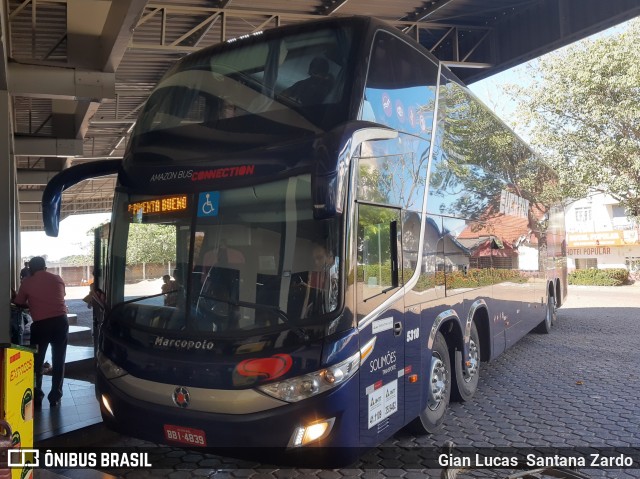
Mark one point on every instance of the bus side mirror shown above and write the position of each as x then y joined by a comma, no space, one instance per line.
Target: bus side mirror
328,182
52,195
324,196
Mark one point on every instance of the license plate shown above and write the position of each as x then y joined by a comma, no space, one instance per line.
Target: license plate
185,435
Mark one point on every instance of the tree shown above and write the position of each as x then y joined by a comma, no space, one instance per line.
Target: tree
582,109
479,158
77,260
151,243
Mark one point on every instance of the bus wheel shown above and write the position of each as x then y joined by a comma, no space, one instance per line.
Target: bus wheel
466,379
549,318
438,389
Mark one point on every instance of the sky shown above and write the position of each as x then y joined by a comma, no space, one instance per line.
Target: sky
72,238
490,93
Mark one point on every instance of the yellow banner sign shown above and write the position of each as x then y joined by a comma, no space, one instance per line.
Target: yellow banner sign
18,384
603,238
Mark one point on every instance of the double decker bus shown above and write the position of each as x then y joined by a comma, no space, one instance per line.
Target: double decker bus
349,234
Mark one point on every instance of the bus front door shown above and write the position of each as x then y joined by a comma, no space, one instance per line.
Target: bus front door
381,372
100,268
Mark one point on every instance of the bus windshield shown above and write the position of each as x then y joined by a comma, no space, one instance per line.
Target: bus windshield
250,92
226,262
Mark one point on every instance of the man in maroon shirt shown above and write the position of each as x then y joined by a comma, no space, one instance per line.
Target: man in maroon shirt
43,293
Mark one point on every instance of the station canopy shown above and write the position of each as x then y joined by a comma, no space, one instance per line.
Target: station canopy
79,71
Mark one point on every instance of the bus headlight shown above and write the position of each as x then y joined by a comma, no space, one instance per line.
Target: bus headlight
315,431
308,385
107,404
110,369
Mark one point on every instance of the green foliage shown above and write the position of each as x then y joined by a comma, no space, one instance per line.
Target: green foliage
151,243
77,260
374,228
582,109
373,271
599,277
480,158
474,278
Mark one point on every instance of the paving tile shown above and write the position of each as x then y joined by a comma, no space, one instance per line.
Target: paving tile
528,397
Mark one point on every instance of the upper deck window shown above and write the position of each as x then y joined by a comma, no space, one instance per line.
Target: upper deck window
251,92
401,86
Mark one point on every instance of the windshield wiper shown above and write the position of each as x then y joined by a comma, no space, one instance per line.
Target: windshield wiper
300,332
141,298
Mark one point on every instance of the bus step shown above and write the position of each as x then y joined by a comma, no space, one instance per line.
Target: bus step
79,364
80,335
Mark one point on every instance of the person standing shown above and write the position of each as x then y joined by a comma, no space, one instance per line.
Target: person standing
43,293
25,272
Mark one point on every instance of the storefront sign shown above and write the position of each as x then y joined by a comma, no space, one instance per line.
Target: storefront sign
603,238
594,251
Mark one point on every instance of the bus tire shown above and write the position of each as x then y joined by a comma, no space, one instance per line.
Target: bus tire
438,389
466,380
549,317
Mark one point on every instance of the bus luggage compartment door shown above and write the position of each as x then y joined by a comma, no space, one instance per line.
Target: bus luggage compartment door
382,379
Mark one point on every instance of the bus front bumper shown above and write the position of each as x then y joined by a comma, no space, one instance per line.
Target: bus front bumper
272,428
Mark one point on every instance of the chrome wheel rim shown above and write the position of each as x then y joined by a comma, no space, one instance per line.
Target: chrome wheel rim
474,362
438,385
551,310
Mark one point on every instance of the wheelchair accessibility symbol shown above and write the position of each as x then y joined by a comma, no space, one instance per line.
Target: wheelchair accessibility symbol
208,203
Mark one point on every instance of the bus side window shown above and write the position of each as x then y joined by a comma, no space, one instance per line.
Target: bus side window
378,252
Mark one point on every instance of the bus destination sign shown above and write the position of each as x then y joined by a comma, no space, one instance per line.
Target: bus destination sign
159,206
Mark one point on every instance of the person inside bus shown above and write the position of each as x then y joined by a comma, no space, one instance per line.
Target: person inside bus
316,87
221,256
171,290
220,279
226,109
319,287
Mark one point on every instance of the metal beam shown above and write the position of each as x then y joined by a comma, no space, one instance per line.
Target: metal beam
71,118
60,147
93,205
118,31
259,19
98,35
422,13
85,20
454,64
174,12
30,208
29,196
35,177
541,27
4,47
330,7
61,83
